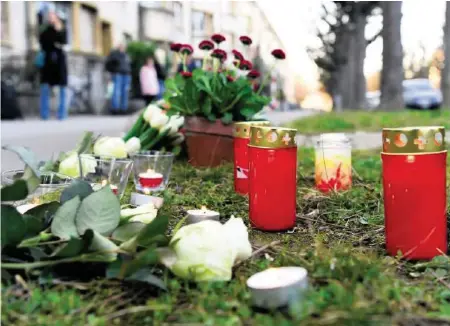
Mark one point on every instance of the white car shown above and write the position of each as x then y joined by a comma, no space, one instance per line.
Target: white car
420,94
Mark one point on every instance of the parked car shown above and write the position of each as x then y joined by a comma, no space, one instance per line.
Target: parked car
420,94
417,94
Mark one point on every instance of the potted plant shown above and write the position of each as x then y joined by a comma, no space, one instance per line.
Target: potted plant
215,96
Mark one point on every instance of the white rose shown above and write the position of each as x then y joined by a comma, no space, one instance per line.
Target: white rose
238,235
133,145
151,110
110,146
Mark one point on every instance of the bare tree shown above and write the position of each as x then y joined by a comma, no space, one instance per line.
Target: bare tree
392,74
445,76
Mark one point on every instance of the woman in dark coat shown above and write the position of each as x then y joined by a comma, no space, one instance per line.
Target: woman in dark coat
54,69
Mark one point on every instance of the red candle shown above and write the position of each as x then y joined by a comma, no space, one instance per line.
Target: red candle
150,179
241,134
414,184
272,154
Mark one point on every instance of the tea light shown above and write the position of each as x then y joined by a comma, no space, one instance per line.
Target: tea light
150,179
277,287
203,214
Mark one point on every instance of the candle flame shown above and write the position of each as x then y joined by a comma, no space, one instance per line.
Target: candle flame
104,182
150,171
203,208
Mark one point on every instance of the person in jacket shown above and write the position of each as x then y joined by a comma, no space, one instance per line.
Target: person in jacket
190,65
53,70
161,74
148,79
118,64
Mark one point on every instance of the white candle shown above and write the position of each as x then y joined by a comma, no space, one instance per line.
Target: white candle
203,214
277,287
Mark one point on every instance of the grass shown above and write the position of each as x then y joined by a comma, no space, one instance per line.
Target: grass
370,121
339,238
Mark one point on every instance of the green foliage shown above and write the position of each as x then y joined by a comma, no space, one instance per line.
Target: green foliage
212,96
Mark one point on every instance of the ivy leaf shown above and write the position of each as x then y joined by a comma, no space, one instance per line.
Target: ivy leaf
13,226
16,191
78,188
100,211
63,224
127,231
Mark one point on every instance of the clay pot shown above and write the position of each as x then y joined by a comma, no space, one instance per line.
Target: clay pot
209,144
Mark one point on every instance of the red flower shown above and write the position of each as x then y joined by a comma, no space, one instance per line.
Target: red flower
279,54
230,78
237,55
186,74
246,65
253,74
255,87
175,47
206,45
186,49
245,40
219,54
236,63
218,38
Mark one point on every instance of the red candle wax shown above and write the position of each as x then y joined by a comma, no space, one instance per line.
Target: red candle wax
150,179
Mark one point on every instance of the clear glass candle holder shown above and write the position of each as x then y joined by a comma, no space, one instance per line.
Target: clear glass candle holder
106,171
50,182
333,163
152,170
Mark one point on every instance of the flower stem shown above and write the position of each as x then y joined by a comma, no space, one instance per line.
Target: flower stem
184,57
266,77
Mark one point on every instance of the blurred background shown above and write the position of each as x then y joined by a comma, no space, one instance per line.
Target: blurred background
340,54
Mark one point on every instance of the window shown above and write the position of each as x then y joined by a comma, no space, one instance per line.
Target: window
178,14
106,38
88,29
201,24
5,21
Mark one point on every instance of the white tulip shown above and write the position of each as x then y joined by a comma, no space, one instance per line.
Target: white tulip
178,139
205,251
158,120
110,146
151,110
133,145
70,166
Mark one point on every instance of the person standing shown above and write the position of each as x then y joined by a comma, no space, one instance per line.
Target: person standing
118,64
53,67
148,78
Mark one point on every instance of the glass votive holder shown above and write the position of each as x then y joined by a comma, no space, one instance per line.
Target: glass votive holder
51,182
101,171
333,163
152,170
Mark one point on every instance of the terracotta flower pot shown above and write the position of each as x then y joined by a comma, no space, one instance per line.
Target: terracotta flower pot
209,144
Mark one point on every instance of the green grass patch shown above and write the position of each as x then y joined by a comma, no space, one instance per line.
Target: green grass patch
370,121
339,239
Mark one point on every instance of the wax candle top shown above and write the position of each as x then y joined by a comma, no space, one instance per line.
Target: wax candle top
202,211
277,277
150,174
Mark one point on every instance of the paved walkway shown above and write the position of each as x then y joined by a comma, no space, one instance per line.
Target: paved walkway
47,138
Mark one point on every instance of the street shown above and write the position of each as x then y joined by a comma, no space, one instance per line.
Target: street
47,138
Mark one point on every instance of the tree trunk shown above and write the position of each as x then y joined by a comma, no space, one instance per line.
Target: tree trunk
392,74
445,76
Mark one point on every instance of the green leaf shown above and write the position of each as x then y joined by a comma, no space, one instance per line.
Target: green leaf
13,226
16,191
63,224
100,211
72,248
145,275
33,180
26,155
127,231
107,250
227,118
211,117
248,113
78,188
33,225
207,106
45,212
145,258
157,227
86,142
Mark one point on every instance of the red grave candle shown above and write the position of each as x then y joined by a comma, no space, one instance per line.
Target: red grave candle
272,154
414,184
150,179
241,134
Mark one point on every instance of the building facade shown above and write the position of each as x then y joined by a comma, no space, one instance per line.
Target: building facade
95,27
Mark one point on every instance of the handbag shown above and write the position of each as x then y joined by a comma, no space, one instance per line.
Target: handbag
39,60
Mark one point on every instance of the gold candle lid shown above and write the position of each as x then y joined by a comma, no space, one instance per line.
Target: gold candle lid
412,140
242,129
272,137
